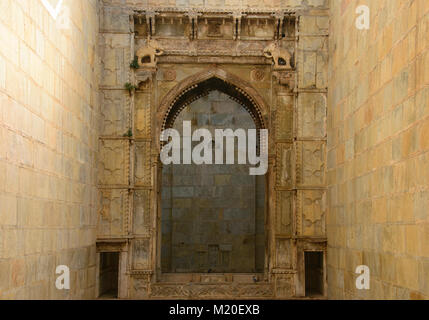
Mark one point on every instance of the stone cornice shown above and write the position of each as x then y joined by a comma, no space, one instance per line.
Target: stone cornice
226,11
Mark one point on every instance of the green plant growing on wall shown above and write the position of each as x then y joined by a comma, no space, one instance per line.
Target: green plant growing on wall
130,87
129,133
135,63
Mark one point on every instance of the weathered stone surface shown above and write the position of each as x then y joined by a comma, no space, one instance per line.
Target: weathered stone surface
141,254
312,115
310,163
114,165
377,114
113,213
49,130
141,219
116,57
284,117
210,212
61,89
284,253
114,113
143,115
285,156
285,213
142,164
312,213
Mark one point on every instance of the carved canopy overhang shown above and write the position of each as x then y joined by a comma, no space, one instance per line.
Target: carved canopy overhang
279,18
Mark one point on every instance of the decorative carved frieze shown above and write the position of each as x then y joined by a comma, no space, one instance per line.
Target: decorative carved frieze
212,290
285,285
247,24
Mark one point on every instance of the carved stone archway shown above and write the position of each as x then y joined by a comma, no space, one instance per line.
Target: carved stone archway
243,53
199,85
187,91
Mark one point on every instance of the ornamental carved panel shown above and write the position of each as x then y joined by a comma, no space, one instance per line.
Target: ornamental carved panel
114,162
141,214
284,213
142,115
310,163
284,161
311,212
284,117
112,213
141,254
142,163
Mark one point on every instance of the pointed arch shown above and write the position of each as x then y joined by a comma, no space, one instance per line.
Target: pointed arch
200,84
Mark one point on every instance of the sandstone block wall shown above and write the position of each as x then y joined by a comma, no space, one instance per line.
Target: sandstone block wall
378,143
48,144
213,215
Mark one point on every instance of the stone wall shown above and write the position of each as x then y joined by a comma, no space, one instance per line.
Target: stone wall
378,143
48,144
212,215
220,49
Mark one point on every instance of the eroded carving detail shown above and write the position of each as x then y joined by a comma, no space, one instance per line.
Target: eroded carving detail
169,75
283,162
285,286
284,213
284,117
141,254
281,57
284,253
114,162
113,212
312,209
258,75
142,164
286,79
147,55
142,211
212,290
311,163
